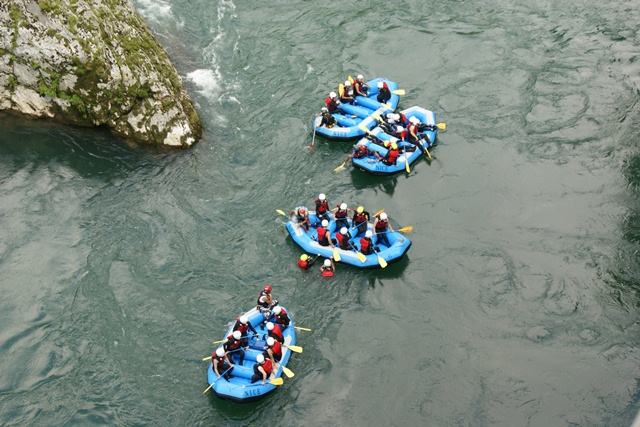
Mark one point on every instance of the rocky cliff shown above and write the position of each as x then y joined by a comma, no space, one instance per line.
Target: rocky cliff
92,63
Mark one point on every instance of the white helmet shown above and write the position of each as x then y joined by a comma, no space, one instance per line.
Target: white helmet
363,142
368,234
260,358
343,206
270,341
324,109
220,352
399,129
322,196
237,334
344,231
269,326
277,310
332,95
244,319
383,216
360,76
325,223
414,120
393,140
389,115
380,85
327,263
347,83
396,117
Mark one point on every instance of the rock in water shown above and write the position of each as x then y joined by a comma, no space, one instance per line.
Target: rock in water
92,63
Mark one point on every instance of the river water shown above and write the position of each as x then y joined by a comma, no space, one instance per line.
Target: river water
517,304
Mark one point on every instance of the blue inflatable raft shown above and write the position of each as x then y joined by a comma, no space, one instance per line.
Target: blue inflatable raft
400,244
372,163
239,387
348,125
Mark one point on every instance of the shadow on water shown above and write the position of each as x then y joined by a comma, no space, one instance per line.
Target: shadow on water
362,180
91,153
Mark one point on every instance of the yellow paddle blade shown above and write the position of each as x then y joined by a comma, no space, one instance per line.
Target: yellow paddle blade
340,89
207,389
428,153
336,255
377,116
281,213
350,79
407,229
361,126
382,262
218,342
400,92
302,329
378,213
288,372
294,348
276,381
361,256
206,358
386,106
406,166
442,126
340,167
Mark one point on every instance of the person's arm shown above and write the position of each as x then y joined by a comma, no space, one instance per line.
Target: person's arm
228,361
264,374
389,226
375,221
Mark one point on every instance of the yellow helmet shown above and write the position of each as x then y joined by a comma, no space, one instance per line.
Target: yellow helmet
360,209
304,257
394,146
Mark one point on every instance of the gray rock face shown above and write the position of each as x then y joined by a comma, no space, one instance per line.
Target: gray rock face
92,63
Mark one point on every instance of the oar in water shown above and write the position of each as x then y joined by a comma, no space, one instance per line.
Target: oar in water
288,372
360,255
400,92
336,255
294,348
211,385
302,329
381,260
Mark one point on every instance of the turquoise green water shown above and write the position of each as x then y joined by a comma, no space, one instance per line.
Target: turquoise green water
516,305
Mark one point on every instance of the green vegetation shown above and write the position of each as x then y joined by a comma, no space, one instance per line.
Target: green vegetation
12,83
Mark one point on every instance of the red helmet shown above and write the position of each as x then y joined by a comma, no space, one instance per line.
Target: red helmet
267,289
301,211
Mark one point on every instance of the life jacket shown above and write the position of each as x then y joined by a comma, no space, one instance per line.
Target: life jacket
391,157
276,333
365,246
343,241
241,327
385,86
302,264
328,120
321,233
360,151
381,225
214,358
327,273
277,350
403,119
321,206
282,318
267,366
359,218
340,213
232,343
412,137
264,304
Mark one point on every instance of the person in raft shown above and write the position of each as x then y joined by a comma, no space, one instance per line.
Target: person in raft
346,97
300,215
333,104
262,369
322,207
341,212
243,325
384,94
305,262
343,239
328,268
366,244
392,155
327,119
222,366
234,345
360,88
273,350
324,235
412,134
275,332
280,316
360,220
381,227
265,302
